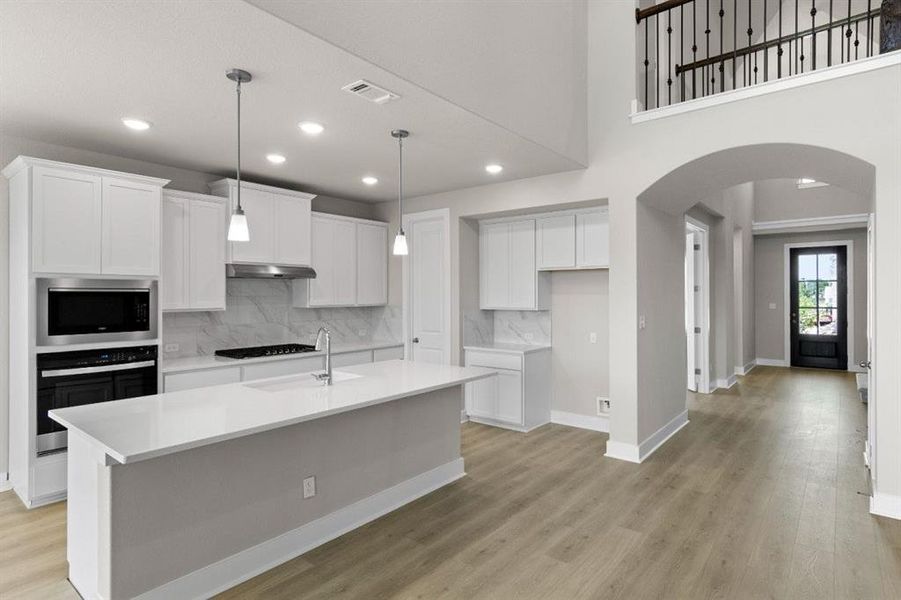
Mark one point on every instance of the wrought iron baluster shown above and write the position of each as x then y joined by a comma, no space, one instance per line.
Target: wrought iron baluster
750,32
829,38
682,51
848,34
722,60
798,49
646,63
708,85
778,46
766,50
734,41
813,36
657,62
755,67
669,58
869,29
694,47
856,37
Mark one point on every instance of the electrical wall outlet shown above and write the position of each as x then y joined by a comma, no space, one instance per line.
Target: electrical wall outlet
603,405
309,487
593,337
772,306
362,332
171,348
642,322
528,336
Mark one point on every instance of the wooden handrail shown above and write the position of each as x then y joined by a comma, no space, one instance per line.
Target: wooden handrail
650,11
837,24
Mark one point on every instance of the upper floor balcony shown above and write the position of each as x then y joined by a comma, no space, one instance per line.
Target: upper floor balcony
696,49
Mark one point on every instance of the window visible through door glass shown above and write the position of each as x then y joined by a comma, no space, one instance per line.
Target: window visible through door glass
807,267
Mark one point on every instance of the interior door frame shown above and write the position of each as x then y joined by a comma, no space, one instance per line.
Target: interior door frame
408,220
849,299
703,277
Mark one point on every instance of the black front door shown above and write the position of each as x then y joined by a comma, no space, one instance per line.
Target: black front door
819,317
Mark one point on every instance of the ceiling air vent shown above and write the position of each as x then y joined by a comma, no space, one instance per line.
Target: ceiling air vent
370,91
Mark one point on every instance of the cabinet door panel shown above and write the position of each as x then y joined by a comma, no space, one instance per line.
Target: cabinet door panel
259,207
206,255
592,240
322,288
522,272
481,398
556,242
174,277
494,249
372,264
344,249
509,396
66,222
292,226
130,237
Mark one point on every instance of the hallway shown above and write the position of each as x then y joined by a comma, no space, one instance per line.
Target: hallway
762,495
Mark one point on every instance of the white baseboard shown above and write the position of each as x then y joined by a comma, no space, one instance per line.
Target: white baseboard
463,416
885,505
770,362
638,453
744,370
5,483
229,572
592,422
725,384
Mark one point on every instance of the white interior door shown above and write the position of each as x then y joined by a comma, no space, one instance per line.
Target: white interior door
690,336
871,354
428,285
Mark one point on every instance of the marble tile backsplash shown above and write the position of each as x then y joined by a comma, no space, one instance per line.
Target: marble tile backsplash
478,327
260,312
522,327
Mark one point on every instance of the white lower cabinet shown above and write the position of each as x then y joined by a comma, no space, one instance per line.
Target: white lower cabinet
519,397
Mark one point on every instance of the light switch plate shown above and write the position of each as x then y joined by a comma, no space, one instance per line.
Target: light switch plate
772,306
642,323
593,337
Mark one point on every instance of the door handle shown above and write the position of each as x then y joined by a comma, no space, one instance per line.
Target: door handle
864,364
416,340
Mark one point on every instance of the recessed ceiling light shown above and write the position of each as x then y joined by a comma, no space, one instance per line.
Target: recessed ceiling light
275,159
494,169
136,124
370,180
311,128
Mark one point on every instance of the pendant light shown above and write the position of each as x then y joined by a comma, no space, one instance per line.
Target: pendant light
237,227
400,240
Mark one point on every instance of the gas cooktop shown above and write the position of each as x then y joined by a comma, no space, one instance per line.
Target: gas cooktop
258,351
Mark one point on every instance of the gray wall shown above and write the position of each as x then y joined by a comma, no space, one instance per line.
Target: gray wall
580,368
769,253
781,199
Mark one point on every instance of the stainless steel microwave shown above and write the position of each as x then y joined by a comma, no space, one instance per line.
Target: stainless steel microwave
75,311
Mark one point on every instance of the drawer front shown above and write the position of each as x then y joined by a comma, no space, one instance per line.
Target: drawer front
175,382
495,360
396,352
348,359
278,368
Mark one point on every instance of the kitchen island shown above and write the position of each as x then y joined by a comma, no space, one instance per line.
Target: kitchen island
185,494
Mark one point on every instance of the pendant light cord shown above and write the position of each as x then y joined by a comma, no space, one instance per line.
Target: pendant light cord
400,185
238,90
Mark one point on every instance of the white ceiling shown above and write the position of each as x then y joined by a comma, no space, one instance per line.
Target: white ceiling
70,70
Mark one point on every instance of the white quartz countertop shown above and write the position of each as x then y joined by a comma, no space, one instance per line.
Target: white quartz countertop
510,348
198,363
149,426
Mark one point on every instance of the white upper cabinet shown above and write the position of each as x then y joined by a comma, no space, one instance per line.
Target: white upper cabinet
573,240
593,239
174,275
509,279
92,221
66,221
372,264
350,257
556,241
130,239
278,220
193,252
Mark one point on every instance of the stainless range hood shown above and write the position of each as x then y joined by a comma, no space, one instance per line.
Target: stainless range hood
239,271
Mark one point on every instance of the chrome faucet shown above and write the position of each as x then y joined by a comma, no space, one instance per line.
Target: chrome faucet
327,376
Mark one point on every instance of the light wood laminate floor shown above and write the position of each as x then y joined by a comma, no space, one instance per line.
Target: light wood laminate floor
762,496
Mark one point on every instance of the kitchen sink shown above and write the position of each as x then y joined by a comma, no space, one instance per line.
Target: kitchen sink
305,380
